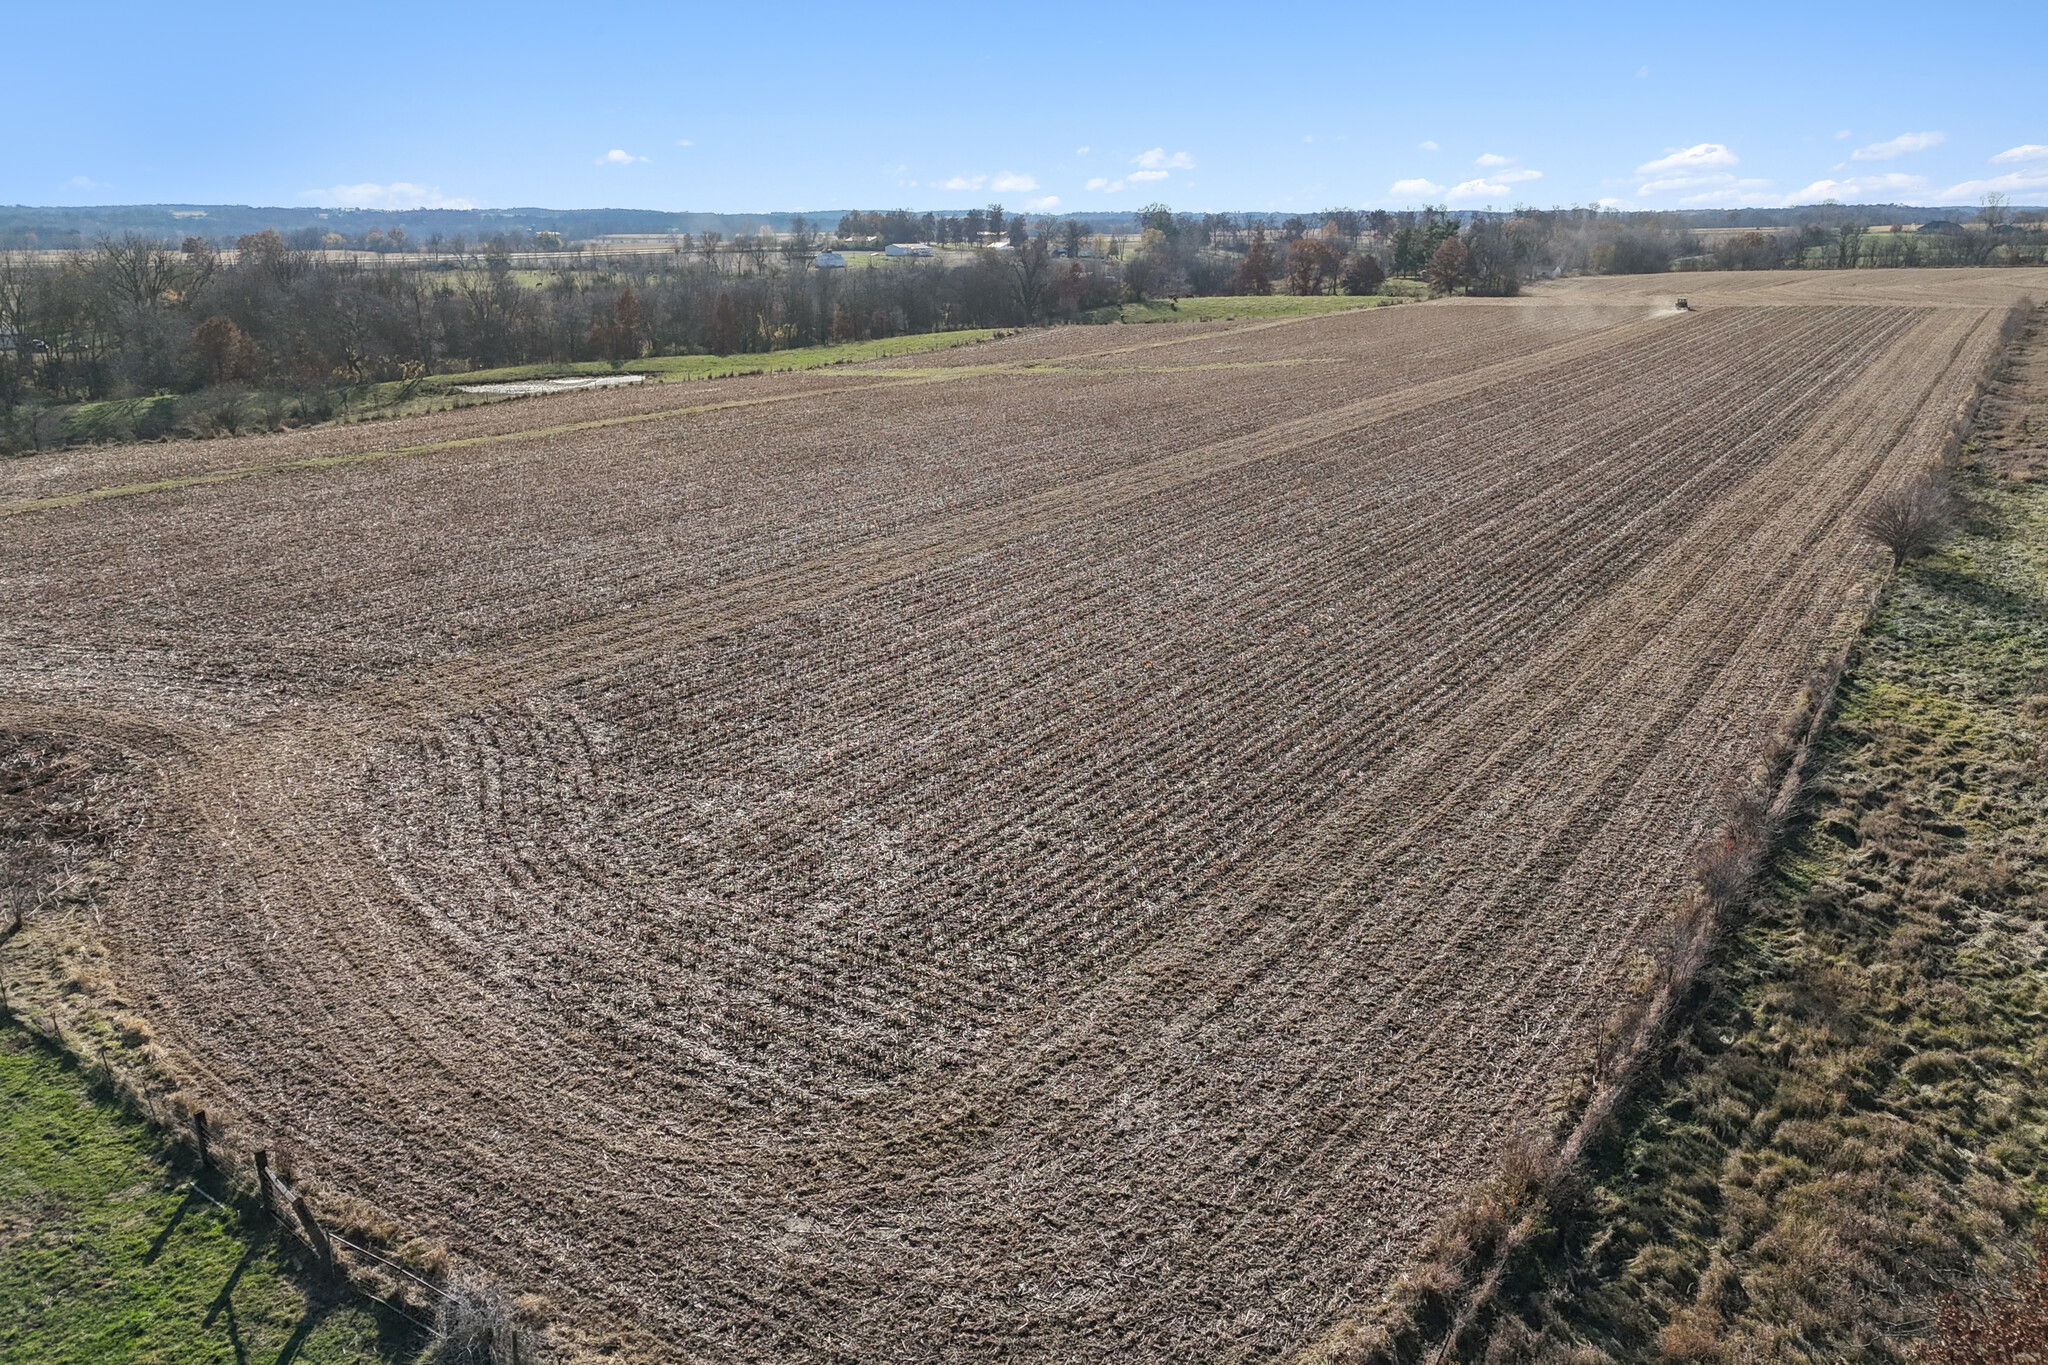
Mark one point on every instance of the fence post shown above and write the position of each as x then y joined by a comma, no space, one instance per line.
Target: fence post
315,1234
263,1183
199,1135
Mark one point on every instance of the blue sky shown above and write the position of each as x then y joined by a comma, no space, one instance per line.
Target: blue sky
1055,108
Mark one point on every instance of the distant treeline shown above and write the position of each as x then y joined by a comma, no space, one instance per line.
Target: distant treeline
134,316
516,229
64,228
1350,251
286,314
24,227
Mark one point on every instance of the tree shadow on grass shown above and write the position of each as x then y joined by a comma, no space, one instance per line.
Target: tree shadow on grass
1979,592
1997,628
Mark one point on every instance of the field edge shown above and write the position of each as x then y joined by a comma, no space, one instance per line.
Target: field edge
1446,1306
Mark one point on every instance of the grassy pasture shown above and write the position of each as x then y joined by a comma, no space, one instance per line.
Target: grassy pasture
671,367
1231,308
107,1254
117,419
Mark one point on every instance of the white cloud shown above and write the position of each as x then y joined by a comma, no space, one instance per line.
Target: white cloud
1427,146
1611,203
1080,151
1517,175
399,194
1158,160
1842,136
1483,188
2008,183
1736,194
1642,72
1491,159
1010,180
1665,184
1476,189
1411,188
1689,158
1104,185
965,182
617,157
1147,175
2032,151
684,142
1858,186
1898,146
86,182
1045,205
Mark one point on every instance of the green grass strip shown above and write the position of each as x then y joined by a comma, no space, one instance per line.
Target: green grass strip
106,1256
684,367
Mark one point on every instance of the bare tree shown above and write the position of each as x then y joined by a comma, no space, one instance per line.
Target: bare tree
1311,263
1030,264
1446,269
138,270
1255,273
1910,521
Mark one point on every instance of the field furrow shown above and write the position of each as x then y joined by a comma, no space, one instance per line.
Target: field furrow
1082,853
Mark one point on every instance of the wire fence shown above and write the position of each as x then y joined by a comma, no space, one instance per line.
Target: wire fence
287,1209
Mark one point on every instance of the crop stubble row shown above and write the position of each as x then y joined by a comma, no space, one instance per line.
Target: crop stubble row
634,515
1107,931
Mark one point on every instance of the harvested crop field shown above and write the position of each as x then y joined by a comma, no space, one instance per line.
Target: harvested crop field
1078,848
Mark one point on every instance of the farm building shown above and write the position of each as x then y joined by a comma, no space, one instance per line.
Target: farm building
829,260
907,249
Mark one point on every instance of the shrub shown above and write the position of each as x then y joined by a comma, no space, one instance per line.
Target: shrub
1909,521
476,1325
1363,274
